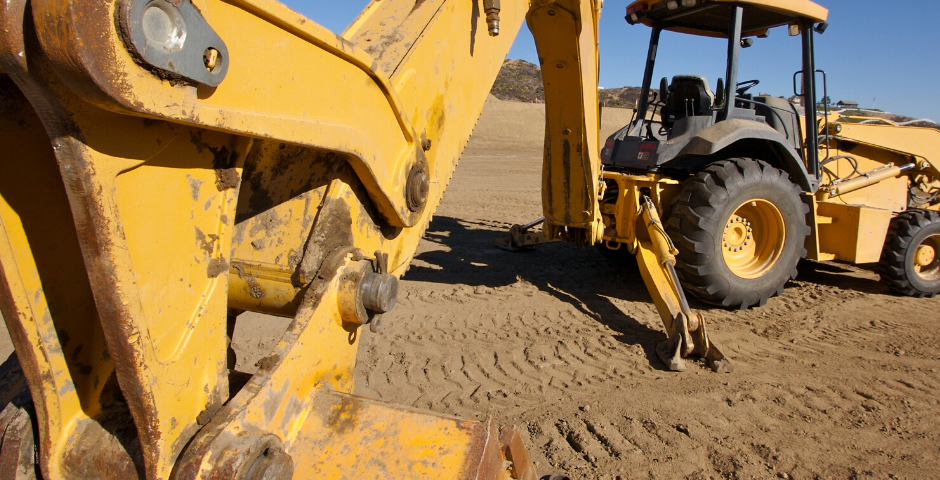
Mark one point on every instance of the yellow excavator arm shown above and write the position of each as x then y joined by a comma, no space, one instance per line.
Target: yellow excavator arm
573,184
170,163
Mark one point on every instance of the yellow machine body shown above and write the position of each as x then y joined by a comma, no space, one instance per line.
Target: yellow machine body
167,164
870,170
851,224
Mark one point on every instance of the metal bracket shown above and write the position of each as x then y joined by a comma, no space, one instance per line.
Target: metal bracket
172,36
519,238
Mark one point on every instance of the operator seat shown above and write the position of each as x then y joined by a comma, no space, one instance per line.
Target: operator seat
689,96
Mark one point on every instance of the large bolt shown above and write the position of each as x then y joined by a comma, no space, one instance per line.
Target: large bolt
365,294
271,464
417,187
379,292
163,27
255,456
210,58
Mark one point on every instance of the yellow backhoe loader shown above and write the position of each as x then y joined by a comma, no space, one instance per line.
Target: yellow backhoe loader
750,184
168,164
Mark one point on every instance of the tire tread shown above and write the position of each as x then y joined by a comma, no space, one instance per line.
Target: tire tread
694,213
901,233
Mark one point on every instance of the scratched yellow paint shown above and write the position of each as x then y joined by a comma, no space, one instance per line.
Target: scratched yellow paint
50,312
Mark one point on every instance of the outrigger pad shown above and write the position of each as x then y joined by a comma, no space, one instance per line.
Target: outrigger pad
520,239
670,352
717,361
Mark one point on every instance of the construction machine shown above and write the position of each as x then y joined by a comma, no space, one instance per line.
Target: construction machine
751,184
168,164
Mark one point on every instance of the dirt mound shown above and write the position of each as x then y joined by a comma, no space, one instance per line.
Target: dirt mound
519,81
625,97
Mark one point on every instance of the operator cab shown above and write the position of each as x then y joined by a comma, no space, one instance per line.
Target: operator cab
684,125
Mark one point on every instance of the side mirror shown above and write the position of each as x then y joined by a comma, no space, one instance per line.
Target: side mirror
663,89
720,94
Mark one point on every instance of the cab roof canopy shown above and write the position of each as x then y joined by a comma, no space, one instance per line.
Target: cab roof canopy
711,17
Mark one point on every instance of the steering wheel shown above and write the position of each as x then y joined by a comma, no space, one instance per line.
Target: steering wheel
743,87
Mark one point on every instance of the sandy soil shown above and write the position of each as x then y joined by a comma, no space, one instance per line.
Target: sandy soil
835,379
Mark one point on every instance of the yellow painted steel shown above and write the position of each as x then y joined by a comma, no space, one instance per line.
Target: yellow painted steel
865,180
851,212
632,221
150,212
160,206
617,215
46,298
566,38
851,233
753,238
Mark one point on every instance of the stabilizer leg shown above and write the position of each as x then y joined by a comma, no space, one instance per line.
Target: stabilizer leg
685,329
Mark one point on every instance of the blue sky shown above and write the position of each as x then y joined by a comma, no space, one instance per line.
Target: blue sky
876,53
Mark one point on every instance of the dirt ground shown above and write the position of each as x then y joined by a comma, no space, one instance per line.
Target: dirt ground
838,378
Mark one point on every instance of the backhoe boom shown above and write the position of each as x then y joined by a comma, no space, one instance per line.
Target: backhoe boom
188,160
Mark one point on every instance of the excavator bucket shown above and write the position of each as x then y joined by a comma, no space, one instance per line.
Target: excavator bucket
163,171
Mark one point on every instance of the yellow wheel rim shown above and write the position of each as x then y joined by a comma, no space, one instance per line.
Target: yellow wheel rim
927,258
753,238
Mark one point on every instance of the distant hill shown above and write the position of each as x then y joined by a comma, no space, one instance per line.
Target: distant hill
624,97
521,81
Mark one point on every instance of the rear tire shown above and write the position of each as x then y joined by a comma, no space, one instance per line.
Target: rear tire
910,261
728,222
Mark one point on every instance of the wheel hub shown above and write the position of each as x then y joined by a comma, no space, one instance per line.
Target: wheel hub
753,238
738,234
926,261
925,255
